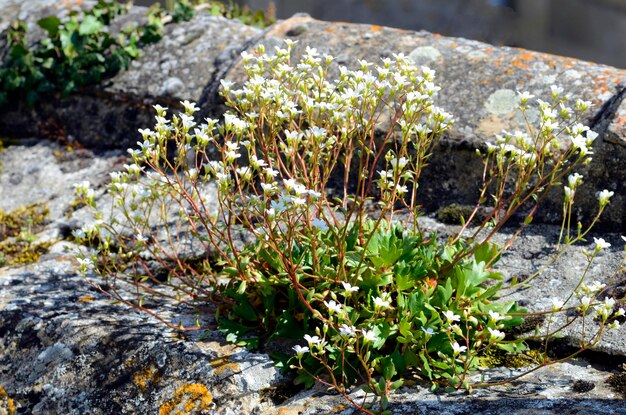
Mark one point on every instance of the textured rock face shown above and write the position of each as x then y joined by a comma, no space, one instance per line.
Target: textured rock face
64,348
479,84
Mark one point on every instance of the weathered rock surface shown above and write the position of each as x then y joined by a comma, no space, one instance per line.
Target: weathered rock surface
64,348
479,84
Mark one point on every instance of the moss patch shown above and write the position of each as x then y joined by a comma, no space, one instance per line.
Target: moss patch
18,243
498,358
455,214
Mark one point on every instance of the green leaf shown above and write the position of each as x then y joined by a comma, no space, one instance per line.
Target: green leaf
50,24
89,25
487,252
382,331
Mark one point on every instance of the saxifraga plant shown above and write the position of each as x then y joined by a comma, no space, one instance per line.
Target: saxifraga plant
297,216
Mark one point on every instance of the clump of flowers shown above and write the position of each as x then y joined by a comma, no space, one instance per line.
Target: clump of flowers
297,215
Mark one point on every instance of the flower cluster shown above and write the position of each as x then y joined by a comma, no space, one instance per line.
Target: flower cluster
269,211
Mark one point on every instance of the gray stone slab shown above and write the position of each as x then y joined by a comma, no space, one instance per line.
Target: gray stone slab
186,60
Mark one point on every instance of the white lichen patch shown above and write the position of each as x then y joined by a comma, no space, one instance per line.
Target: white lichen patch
572,74
477,54
423,55
501,102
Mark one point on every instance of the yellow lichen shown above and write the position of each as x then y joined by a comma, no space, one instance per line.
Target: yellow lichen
7,405
86,299
222,364
192,396
142,378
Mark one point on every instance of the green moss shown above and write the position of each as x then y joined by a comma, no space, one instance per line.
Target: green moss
498,358
457,214
17,234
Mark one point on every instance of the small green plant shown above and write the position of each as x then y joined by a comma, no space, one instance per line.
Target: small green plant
301,207
256,18
74,52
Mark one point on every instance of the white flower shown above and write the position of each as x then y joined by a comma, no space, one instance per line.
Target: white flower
140,237
268,188
574,180
620,312
380,303
85,262
317,223
556,90
187,121
348,287
568,193
346,330
401,189
614,325
458,349
524,96
585,301
311,340
300,350
159,109
591,136
190,107
601,244
557,304
257,163
495,316
78,233
580,143
594,287
132,168
429,331
333,306
495,334
450,316
604,196
369,335
227,85
270,172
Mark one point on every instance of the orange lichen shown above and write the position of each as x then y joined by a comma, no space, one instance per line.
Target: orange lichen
192,396
376,28
4,399
222,364
142,378
86,299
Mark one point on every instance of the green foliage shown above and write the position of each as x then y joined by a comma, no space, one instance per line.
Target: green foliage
256,18
414,274
75,52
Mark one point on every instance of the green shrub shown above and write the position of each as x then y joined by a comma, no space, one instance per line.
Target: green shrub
301,207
